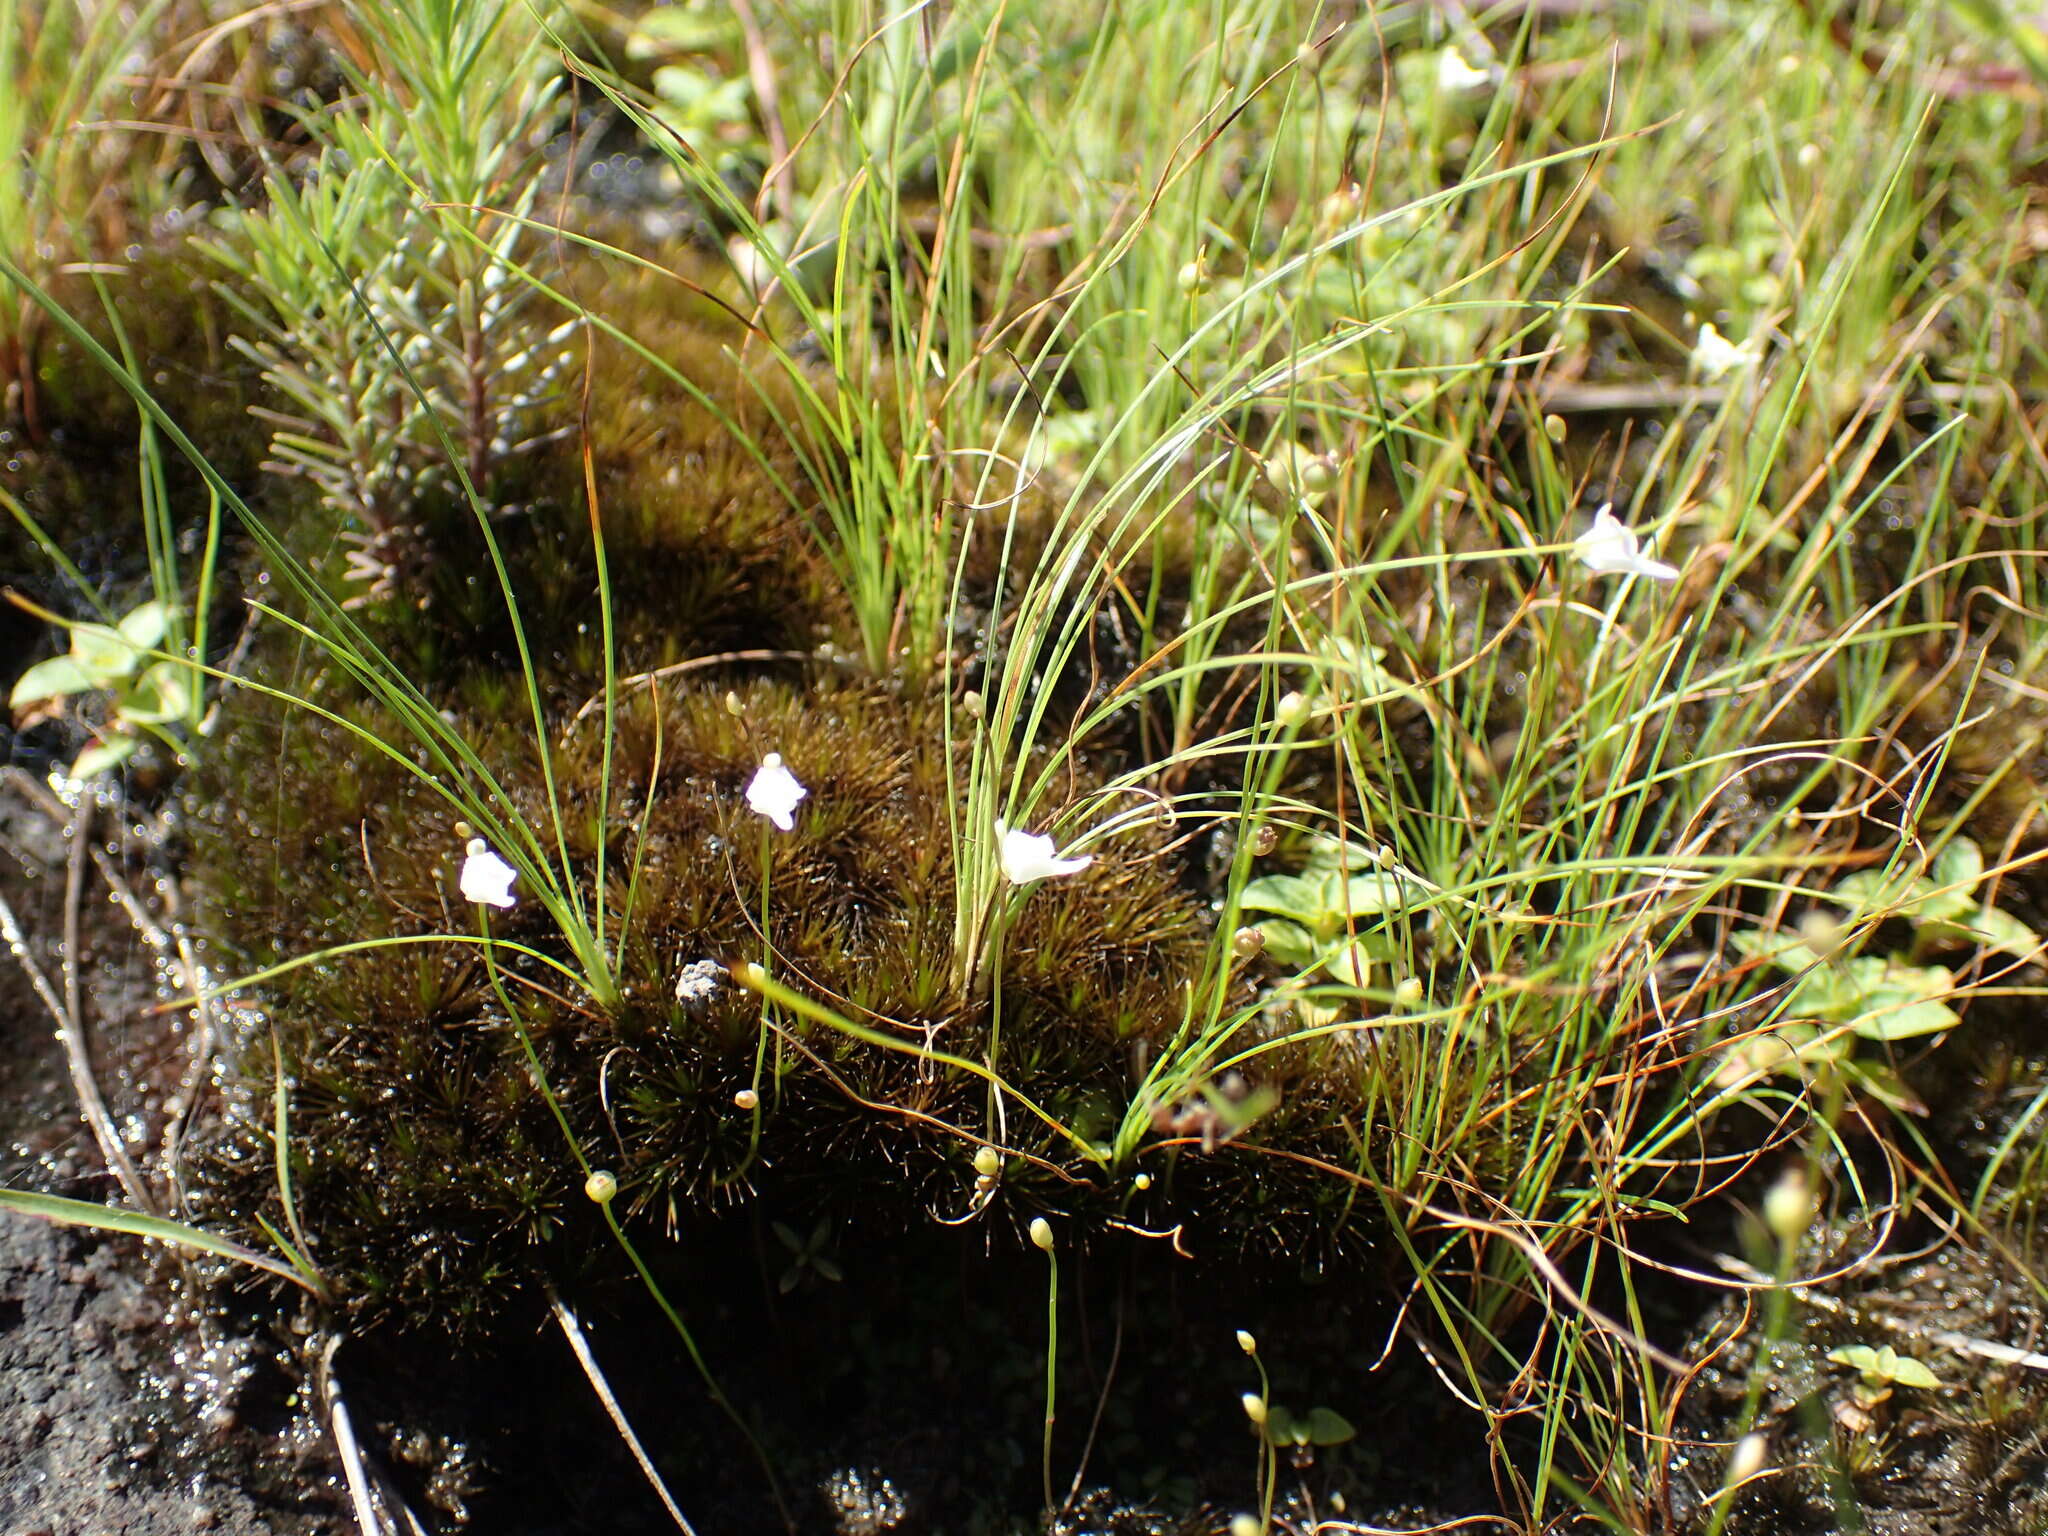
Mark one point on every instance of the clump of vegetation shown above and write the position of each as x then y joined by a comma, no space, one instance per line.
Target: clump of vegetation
1321,664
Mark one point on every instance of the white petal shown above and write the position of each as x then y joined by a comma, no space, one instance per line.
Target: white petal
1027,856
774,792
1714,354
1610,548
486,878
1454,75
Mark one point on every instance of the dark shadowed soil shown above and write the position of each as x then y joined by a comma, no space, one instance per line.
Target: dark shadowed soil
122,1411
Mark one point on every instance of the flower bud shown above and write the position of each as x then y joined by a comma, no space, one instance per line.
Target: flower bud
1408,992
733,706
1142,1182
1246,1342
971,704
601,1186
1747,1459
987,1162
1292,709
1255,1408
746,1099
1041,1233
1554,427
1193,277
1788,1206
1247,942
1246,1525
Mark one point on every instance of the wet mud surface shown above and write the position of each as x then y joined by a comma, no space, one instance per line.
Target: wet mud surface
121,1410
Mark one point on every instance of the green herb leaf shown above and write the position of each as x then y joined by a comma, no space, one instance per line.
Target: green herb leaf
1328,1427
57,678
1904,1001
108,753
105,654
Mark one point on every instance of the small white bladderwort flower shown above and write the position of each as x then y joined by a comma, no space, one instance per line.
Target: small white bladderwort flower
486,878
1714,354
1610,548
774,792
1026,857
1454,76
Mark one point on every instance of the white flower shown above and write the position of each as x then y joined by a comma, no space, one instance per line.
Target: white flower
1609,548
773,792
1714,354
1454,76
486,878
1027,856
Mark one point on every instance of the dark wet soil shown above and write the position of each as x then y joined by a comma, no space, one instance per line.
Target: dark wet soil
122,1410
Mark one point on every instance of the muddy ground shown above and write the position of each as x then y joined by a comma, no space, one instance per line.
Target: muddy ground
121,1412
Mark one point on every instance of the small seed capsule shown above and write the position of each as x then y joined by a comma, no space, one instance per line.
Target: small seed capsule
601,1186
747,1100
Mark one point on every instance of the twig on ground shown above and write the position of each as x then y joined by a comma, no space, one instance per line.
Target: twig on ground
342,1427
580,1346
172,945
71,1022
67,1014
677,668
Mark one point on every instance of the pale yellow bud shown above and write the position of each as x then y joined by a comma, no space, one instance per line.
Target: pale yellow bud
1246,1342
1041,1233
1748,1457
601,1186
987,1162
1255,1408
1292,709
1788,1206
746,1099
